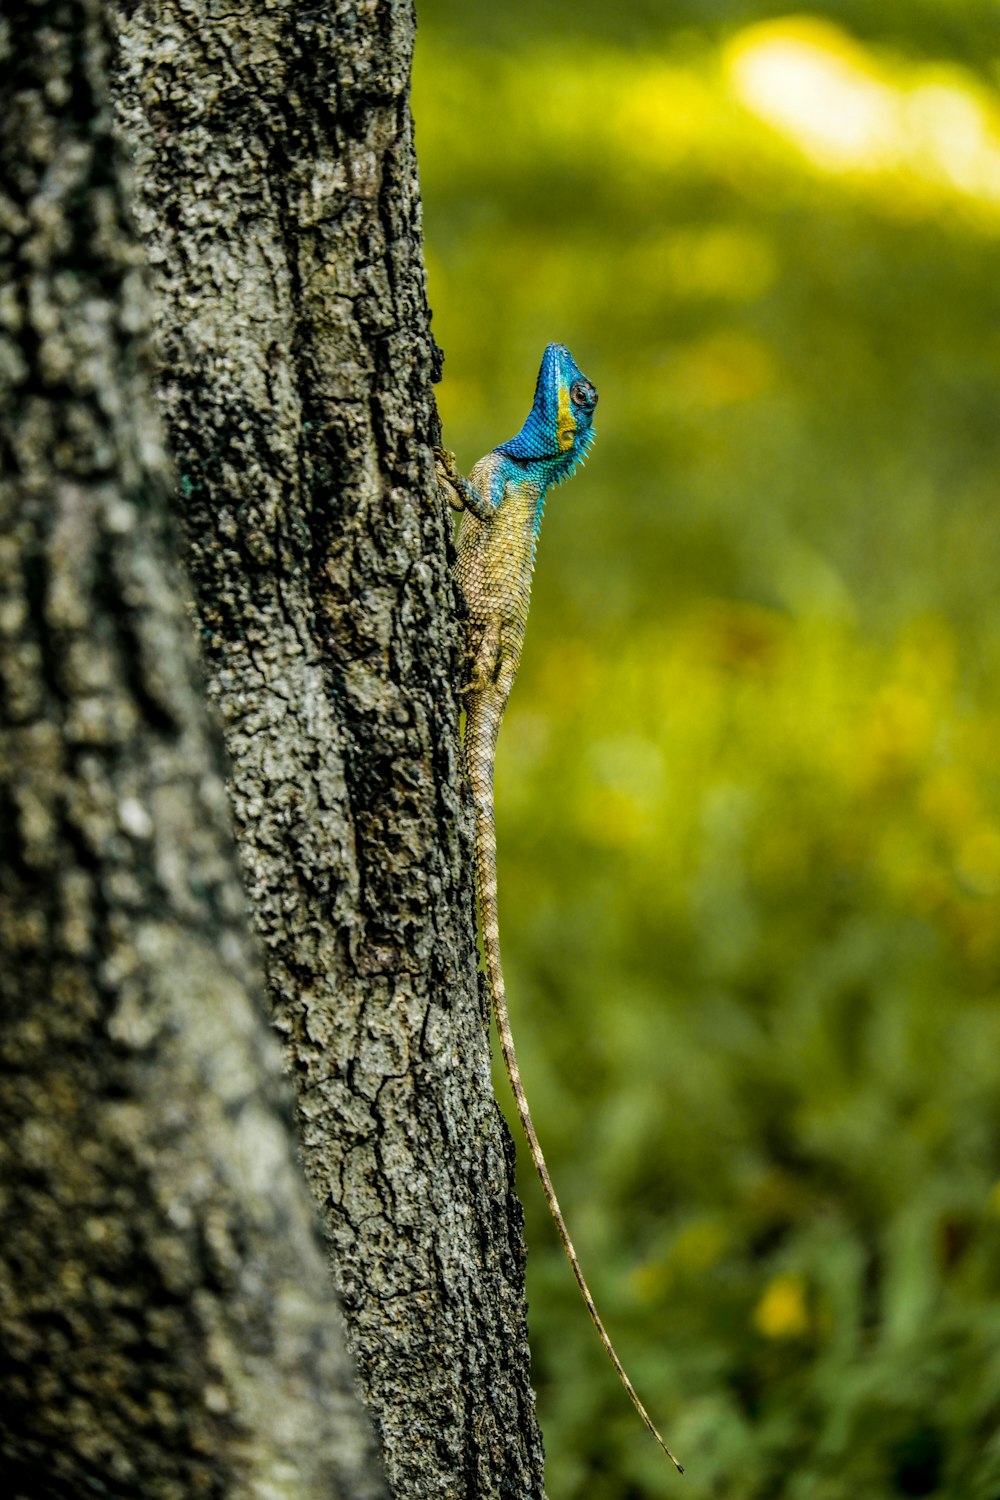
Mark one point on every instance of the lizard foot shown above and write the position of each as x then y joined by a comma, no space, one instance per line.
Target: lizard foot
448,478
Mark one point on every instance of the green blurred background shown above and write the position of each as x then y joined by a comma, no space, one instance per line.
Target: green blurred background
748,793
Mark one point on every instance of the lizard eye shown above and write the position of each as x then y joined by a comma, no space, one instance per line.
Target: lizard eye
582,393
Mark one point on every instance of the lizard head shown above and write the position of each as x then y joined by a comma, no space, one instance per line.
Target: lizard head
558,429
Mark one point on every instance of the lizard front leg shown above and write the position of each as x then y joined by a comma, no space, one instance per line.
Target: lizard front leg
450,480
462,493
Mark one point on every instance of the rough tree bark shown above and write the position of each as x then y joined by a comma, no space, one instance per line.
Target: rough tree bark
167,1326
278,198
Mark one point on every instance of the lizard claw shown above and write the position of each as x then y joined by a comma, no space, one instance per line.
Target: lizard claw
448,474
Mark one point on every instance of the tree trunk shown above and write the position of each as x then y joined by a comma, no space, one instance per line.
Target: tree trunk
166,1323
278,199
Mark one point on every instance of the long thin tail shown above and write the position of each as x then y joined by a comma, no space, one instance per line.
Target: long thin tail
481,775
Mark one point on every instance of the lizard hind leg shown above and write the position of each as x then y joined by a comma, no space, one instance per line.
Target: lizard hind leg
484,662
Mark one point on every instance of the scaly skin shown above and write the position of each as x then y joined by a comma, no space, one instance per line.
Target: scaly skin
502,499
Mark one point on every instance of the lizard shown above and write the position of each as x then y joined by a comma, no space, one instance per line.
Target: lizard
502,501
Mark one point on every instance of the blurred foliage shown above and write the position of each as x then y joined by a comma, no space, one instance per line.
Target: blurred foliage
748,787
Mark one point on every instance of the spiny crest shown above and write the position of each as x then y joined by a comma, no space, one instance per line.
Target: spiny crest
558,429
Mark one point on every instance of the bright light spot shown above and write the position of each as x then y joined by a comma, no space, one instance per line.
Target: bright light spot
954,133
806,80
848,112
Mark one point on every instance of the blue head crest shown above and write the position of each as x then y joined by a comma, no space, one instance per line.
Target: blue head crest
558,429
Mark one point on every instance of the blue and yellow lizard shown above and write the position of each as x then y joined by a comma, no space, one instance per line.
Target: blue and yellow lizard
503,498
